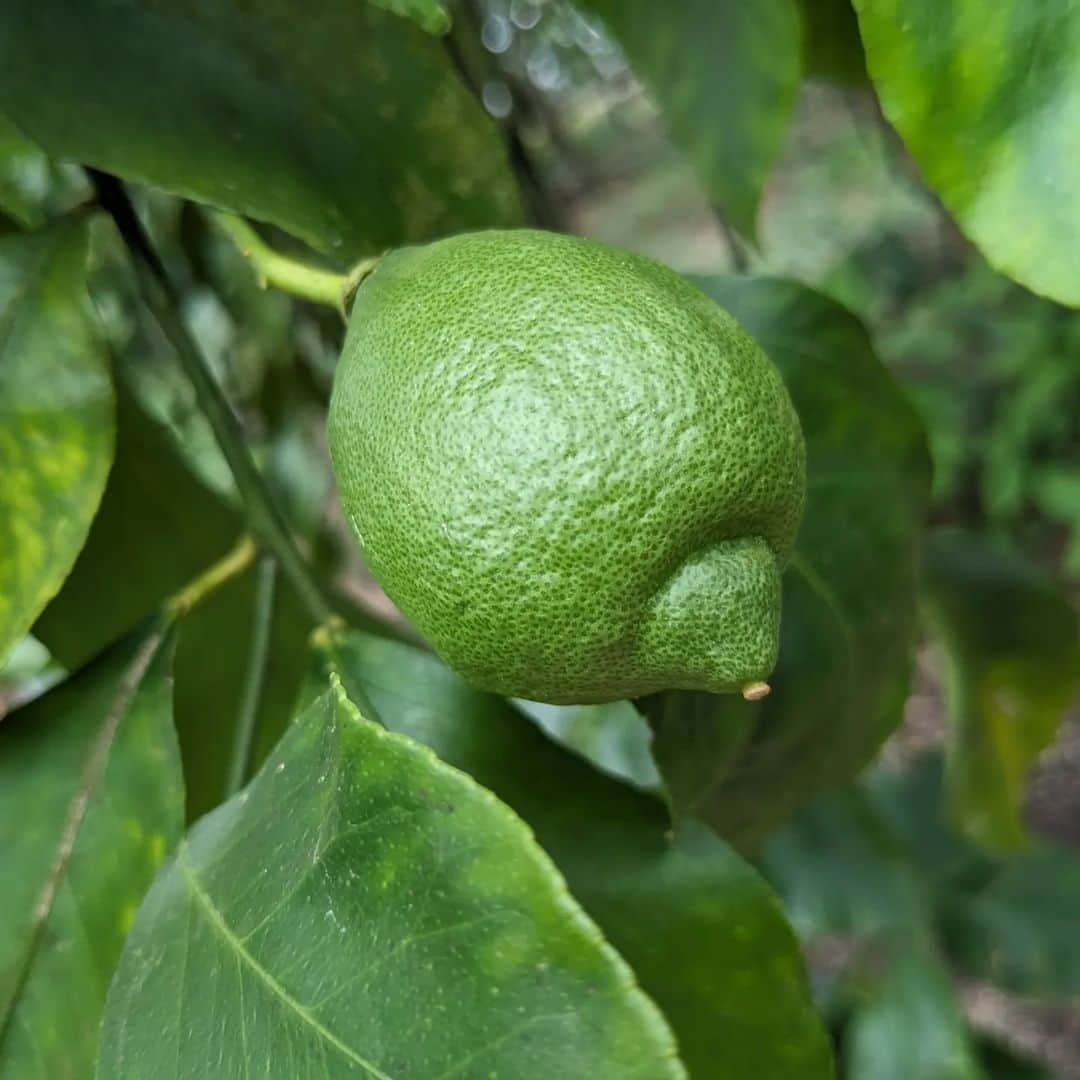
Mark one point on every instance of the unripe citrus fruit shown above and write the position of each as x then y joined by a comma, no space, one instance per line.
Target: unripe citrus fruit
574,472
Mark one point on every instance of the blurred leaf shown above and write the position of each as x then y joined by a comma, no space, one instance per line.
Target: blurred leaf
429,15
1012,666
849,617
724,76
909,1027
362,909
842,868
1020,929
349,129
56,419
987,98
832,48
91,799
705,936
31,186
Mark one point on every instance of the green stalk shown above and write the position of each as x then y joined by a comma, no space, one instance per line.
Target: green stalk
255,680
267,522
272,268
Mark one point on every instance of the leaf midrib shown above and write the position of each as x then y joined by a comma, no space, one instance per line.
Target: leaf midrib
217,921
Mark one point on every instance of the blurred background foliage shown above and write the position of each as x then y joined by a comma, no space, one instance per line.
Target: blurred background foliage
939,896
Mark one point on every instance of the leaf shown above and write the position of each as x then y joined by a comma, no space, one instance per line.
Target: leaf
1012,667
31,186
1019,930
724,76
705,936
349,129
429,15
842,868
364,910
613,736
91,799
987,98
910,1026
849,615
56,420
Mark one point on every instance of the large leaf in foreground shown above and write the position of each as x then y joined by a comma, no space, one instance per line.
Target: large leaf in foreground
347,126
987,98
56,419
361,909
704,934
91,800
1012,667
724,76
849,603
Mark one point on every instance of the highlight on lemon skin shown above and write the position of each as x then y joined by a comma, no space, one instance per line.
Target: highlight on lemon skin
574,472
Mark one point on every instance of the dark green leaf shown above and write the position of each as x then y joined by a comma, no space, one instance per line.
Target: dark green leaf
910,1026
1012,667
987,98
703,933
614,737
1019,930
842,868
32,186
347,127
91,800
849,614
724,76
56,420
364,910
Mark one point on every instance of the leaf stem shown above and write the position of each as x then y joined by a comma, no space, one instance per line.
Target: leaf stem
272,268
255,680
161,298
230,565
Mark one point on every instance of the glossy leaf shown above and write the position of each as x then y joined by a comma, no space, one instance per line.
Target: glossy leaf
91,800
350,129
724,76
364,910
849,615
56,420
430,15
987,98
705,936
32,186
1011,648
909,1025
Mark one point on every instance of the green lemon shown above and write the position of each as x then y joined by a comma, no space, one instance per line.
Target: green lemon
572,470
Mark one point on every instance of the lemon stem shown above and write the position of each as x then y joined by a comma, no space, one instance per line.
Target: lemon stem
271,267
230,565
755,691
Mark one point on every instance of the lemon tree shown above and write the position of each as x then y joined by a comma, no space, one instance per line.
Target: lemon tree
442,567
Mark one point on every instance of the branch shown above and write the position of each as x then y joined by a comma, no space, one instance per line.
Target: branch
161,298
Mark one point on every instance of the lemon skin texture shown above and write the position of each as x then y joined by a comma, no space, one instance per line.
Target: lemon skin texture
572,470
